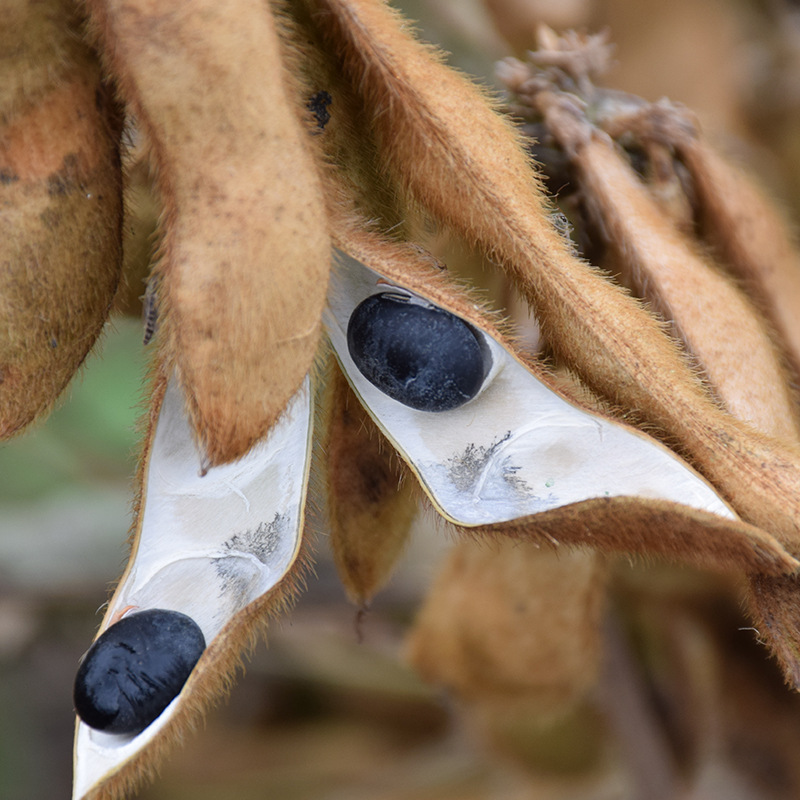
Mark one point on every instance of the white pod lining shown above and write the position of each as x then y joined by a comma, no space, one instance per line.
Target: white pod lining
517,448
208,545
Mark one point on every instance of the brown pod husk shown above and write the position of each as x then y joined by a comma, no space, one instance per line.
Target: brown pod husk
750,235
507,621
338,122
646,527
705,310
370,505
746,229
615,197
622,524
667,183
470,171
41,43
774,601
60,195
245,252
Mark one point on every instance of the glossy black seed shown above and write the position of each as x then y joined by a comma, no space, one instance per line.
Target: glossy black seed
420,355
135,668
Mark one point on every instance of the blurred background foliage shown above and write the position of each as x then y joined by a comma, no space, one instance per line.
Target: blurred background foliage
330,710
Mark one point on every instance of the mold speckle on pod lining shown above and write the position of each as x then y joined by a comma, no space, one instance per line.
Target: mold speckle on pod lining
418,354
135,668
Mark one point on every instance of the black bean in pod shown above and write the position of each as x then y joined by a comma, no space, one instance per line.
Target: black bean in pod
419,355
135,668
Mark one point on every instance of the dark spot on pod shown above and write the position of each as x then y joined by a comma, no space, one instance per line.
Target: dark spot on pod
318,105
150,309
420,355
135,668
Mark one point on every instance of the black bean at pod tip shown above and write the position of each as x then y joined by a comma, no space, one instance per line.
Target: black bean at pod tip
418,354
135,669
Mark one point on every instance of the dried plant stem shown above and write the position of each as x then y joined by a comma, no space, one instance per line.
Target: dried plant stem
245,252
469,170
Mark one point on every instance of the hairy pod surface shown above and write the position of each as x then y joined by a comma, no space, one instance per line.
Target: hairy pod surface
60,208
751,236
508,622
692,294
522,452
245,250
135,669
516,448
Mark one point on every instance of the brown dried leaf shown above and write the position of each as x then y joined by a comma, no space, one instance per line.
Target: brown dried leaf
245,248
371,506
469,170
60,197
508,620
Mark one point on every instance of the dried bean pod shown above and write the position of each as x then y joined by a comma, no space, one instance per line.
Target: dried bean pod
223,547
370,501
60,197
245,252
471,173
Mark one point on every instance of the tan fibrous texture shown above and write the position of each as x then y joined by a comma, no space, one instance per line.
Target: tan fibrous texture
509,620
735,215
245,253
40,43
470,171
751,236
370,505
646,527
339,124
706,310
60,207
